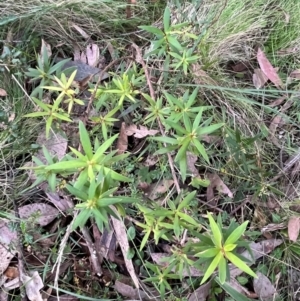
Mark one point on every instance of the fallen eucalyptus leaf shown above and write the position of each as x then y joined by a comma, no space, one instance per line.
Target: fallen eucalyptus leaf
44,212
268,69
264,288
33,284
294,228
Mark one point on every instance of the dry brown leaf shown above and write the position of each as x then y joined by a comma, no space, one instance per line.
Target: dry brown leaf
268,69
6,234
264,288
122,143
76,53
294,228
56,145
48,49
295,74
45,213
278,101
191,160
259,78
80,30
121,236
61,202
11,272
2,92
154,190
33,284
201,293
216,182
93,55
259,250
151,160
238,287
130,292
278,120
6,255
3,295
139,132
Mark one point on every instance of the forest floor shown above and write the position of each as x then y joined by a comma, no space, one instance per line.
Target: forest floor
149,150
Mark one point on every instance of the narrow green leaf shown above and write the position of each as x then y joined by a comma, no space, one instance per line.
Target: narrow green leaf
201,149
175,43
66,165
240,264
36,114
231,291
41,104
188,219
85,140
236,234
187,123
78,154
167,19
183,167
186,201
145,239
181,154
48,126
222,270
100,151
217,234
209,129
212,252
212,267
168,140
77,193
81,219
176,226
177,127
82,179
116,176
198,118
229,247
71,78
153,30
91,174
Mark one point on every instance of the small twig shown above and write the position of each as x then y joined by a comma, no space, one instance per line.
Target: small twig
139,59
